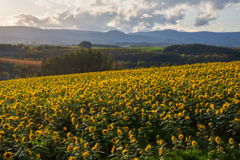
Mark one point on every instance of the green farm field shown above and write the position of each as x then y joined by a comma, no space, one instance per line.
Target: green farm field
150,49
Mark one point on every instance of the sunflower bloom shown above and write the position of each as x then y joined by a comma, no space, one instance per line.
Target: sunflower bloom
194,143
126,118
113,148
105,131
56,139
6,126
180,136
148,147
8,155
37,156
160,152
217,139
31,136
124,151
69,148
71,158
86,154
119,132
110,127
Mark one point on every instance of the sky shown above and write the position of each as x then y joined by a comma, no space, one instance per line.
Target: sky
125,15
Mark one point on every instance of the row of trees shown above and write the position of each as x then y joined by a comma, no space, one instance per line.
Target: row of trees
11,47
50,47
80,61
161,59
197,49
40,54
17,70
105,45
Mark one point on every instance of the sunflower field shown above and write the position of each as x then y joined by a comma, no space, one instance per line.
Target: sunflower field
128,114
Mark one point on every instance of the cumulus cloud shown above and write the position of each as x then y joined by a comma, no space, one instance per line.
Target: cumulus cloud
128,16
204,19
64,19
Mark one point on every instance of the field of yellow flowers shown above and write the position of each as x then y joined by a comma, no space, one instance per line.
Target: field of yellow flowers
127,114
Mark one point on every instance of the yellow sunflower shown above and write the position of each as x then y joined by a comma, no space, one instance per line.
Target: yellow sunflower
180,136
86,154
38,156
160,152
31,136
56,139
113,148
71,158
110,127
194,143
91,129
105,131
217,139
8,155
6,126
124,151
148,147
126,118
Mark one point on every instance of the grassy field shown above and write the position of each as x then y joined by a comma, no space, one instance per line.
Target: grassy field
104,47
150,49
32,63
178,112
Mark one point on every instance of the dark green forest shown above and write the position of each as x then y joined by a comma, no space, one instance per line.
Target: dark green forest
79,61
17,70
11,47
198,49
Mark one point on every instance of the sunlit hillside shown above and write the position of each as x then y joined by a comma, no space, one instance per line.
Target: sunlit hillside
127,114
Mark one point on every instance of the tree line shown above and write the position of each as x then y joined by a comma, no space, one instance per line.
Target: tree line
11,71
11,47
161,59
132,58
80,61
197,49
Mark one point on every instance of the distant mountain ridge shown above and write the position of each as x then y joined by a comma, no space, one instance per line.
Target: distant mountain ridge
20,34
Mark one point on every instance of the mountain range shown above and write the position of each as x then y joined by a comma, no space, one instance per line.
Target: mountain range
31,35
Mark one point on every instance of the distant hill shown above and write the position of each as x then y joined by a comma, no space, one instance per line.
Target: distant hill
20,34
231,39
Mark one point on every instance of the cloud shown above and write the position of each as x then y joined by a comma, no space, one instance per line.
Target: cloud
42,3
3,21
204,18
64,19
128,16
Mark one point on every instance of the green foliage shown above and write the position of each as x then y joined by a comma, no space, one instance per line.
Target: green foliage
96,46
198,49
150,49
76,62
10,47
17,70
187,155
85,44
